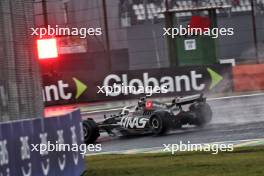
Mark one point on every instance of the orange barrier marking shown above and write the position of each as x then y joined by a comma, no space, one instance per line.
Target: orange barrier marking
248,77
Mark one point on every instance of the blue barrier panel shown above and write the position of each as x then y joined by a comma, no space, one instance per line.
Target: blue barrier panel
6,148
44,160
23,137
21,141
50,127
77,137
63,137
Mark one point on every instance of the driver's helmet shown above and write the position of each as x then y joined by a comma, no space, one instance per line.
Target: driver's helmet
141,102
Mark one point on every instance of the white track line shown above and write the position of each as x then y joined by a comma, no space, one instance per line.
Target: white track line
209,99
236,96
236,143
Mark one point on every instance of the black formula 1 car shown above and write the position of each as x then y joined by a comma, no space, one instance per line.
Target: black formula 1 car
151,117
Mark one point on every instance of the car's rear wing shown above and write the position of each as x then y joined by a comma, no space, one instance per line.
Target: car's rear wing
188,99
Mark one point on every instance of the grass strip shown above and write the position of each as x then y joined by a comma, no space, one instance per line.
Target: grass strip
243,161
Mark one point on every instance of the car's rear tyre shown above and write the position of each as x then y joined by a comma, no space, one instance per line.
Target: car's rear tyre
203,113
159,123
90,131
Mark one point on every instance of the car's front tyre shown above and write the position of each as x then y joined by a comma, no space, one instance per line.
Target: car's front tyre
90,131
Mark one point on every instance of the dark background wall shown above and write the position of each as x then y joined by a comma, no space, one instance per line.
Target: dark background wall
138,43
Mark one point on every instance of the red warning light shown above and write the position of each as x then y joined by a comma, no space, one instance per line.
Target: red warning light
47,48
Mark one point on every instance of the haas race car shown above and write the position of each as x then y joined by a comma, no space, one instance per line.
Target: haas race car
151,117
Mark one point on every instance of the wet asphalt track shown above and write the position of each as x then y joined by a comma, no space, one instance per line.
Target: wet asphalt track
236,118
